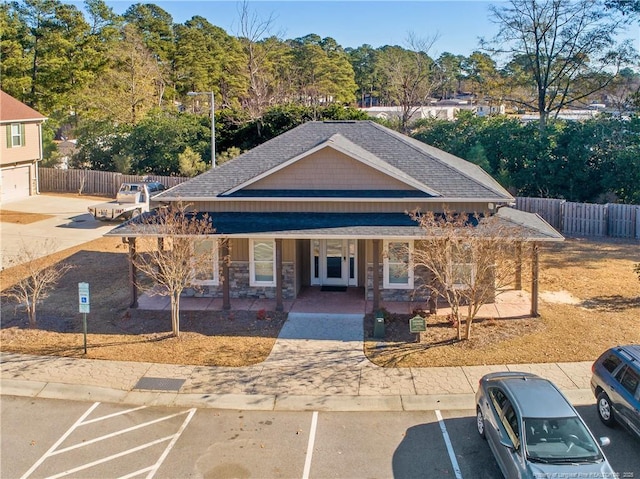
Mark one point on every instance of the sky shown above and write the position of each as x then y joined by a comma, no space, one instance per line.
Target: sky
457,23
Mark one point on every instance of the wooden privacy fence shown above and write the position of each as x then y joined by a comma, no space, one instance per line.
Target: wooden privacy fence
92,182
586,219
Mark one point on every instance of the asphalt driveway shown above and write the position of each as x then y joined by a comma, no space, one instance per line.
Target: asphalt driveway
70,225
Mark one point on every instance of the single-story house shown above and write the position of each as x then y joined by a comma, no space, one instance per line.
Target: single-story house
21,150
321,204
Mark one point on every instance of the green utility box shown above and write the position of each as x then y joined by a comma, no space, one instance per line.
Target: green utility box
378,326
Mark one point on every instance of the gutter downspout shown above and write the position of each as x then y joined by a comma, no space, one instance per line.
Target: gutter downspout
41,155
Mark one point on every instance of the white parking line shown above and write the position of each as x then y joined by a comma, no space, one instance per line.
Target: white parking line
171,444
447,441
59,441
150,470
113,434
109,458
312,440
115,414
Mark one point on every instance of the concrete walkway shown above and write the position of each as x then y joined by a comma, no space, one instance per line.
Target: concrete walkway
317,363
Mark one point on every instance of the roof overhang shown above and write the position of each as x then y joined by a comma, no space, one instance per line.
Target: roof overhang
24,120
341,199
328,226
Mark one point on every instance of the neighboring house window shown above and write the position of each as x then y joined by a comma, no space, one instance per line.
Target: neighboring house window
206,274
398,271
262,263
15,135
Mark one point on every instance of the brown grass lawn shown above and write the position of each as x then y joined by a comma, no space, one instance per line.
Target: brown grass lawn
590,300
21,218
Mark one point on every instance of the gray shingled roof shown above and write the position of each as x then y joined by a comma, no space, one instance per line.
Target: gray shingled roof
446,175
331,225
535,226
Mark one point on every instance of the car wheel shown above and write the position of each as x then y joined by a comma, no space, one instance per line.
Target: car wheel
135,213
480,423
605,411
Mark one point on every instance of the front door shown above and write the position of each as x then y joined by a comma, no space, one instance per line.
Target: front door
333,262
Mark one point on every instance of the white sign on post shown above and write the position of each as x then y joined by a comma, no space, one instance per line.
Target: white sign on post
83,297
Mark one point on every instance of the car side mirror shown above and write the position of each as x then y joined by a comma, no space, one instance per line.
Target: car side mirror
604,441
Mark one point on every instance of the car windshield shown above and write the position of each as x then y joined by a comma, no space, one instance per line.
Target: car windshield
559,440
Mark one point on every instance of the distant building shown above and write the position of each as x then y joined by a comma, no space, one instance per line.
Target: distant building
443,110
66,148
488,110
571,115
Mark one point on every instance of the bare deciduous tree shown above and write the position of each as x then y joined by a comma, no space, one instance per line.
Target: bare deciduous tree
409,76
177,260
38,278
259,67
471,259
564,50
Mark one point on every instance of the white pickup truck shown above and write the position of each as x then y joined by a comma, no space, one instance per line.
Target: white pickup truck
132,200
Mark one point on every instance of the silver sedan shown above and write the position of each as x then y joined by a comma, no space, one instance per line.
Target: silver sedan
533,430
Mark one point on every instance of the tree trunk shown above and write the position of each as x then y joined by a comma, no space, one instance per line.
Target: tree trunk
467,327
468,321
175,314
31,311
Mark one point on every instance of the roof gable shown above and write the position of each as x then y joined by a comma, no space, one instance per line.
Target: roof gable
12,110
336,164
409,161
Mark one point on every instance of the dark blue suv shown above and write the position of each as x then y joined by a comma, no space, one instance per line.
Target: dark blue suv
615,383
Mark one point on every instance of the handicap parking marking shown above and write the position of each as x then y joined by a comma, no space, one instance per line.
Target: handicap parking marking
150,470
59,441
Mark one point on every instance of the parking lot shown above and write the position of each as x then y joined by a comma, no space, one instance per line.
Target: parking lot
97,440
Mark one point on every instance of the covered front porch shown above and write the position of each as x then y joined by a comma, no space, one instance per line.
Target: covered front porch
284,262
311,299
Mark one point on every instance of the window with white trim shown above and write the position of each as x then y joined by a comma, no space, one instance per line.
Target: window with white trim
16,132
262,263
397,265
206,273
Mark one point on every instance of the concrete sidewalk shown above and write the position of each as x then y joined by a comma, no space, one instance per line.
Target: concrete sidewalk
316,364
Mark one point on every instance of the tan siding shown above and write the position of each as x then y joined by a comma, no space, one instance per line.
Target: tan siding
29,152
329,169
289,250
239,249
